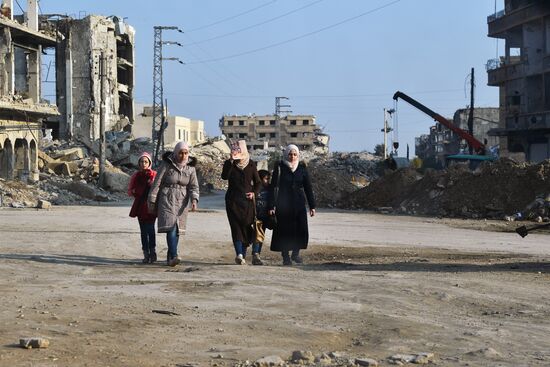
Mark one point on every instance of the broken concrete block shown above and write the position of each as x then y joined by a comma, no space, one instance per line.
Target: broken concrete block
269,361
82,189
300,355
46,158
34,342
60,168
71,154
43,204
222,146
366,362
115,180
125,146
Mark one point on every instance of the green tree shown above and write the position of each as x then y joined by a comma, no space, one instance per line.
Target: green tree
379,150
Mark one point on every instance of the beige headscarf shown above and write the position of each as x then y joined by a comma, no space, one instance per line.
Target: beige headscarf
240,152
288,149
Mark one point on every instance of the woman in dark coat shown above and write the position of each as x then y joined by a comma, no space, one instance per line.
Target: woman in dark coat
243,184
175,186
290,188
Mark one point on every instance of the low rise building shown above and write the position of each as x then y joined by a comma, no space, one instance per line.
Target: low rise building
267,131
178,128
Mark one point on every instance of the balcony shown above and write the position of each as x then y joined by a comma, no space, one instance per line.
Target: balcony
502,21
500,70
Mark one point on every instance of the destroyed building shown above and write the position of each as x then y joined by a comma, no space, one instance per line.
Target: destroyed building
81,44
267,131
22,109
523,77
178,128
441,141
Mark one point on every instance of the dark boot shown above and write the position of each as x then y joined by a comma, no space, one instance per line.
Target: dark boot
146,257
153,257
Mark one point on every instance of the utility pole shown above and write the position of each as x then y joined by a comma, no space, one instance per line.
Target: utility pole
159,112
280,108
386,129
102,111
471,115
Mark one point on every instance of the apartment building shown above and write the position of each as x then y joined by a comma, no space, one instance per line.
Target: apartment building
523,77
269,131
22,109
179,128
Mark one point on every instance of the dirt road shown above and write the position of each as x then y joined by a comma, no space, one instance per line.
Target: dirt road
372,286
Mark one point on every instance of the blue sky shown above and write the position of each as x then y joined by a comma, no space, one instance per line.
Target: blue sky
344,75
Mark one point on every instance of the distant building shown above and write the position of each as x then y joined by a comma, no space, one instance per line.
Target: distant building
267,131
523,78
441,141
179,128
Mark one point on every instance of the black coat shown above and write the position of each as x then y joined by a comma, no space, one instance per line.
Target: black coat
240,210
294,188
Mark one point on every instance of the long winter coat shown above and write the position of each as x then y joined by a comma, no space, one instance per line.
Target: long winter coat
240,210
294,188
139,187
171,191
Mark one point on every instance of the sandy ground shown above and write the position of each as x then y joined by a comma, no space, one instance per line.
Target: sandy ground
372,286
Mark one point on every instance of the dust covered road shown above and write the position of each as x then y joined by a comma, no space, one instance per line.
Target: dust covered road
372,286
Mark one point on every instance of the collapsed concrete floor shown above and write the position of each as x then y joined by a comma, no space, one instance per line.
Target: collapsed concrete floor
380,287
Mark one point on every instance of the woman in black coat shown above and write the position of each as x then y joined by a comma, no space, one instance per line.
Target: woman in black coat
244,183
290,188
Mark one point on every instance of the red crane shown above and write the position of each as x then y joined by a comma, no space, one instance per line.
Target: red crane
477,146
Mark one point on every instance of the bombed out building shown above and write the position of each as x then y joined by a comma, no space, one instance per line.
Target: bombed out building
22,109
84,95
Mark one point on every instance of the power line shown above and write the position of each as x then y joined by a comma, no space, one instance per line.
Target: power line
301,36
228,71
231,17
316,96
255,25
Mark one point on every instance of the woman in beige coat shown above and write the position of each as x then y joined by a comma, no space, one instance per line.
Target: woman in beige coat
174,187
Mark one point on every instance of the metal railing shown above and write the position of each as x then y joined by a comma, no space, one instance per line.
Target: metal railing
495,16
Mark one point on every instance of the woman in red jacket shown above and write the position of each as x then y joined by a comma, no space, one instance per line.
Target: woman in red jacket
139,187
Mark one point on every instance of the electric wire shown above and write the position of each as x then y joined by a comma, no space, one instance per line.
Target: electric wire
235,76
231,17
300,36
256,25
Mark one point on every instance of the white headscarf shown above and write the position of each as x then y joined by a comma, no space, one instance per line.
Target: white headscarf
288,149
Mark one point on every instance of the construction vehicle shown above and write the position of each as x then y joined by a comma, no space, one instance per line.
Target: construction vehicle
477,146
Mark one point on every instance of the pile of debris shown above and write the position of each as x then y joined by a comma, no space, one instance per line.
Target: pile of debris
336,176
491,191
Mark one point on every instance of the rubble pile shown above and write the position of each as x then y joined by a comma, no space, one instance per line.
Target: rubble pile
336,176
210,157
491,191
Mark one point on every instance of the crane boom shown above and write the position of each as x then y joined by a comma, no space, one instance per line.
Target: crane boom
478,146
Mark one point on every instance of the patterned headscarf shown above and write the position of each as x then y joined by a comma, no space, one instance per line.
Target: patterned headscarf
179,146
288,149
242,154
